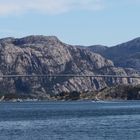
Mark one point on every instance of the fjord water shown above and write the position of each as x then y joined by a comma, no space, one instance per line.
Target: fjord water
70,120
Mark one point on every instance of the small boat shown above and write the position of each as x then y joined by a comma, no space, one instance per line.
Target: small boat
19,100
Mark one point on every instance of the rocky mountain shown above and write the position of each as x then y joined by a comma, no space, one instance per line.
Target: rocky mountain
48,55
126,55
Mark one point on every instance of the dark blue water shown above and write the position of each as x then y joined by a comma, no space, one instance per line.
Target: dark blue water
70,121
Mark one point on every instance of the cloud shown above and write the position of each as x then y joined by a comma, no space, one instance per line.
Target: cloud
11,7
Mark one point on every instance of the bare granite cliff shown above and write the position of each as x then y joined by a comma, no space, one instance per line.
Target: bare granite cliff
48,55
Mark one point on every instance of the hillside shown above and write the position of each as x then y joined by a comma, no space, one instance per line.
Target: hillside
126,55
48,55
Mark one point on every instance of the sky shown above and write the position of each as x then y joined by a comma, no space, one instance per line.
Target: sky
76,22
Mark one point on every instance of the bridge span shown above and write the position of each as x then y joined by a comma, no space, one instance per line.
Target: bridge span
68,75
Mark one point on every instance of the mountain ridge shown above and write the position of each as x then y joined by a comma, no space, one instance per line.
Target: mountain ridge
124,55
48,55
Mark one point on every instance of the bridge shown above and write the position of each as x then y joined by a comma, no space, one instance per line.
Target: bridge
68,75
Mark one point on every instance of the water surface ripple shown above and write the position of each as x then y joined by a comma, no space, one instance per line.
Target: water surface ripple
70,120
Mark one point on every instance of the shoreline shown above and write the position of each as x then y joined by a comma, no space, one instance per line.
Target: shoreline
70,100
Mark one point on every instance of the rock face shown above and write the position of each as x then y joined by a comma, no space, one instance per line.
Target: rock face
48,55
126,55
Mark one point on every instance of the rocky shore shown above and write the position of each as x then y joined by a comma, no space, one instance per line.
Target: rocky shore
119,92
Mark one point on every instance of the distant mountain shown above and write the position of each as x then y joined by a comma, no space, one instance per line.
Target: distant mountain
126,55
48,55
97,48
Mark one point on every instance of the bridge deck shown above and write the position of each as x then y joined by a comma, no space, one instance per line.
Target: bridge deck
69,75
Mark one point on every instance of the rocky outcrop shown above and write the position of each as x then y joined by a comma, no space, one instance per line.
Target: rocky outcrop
48,55
120,92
